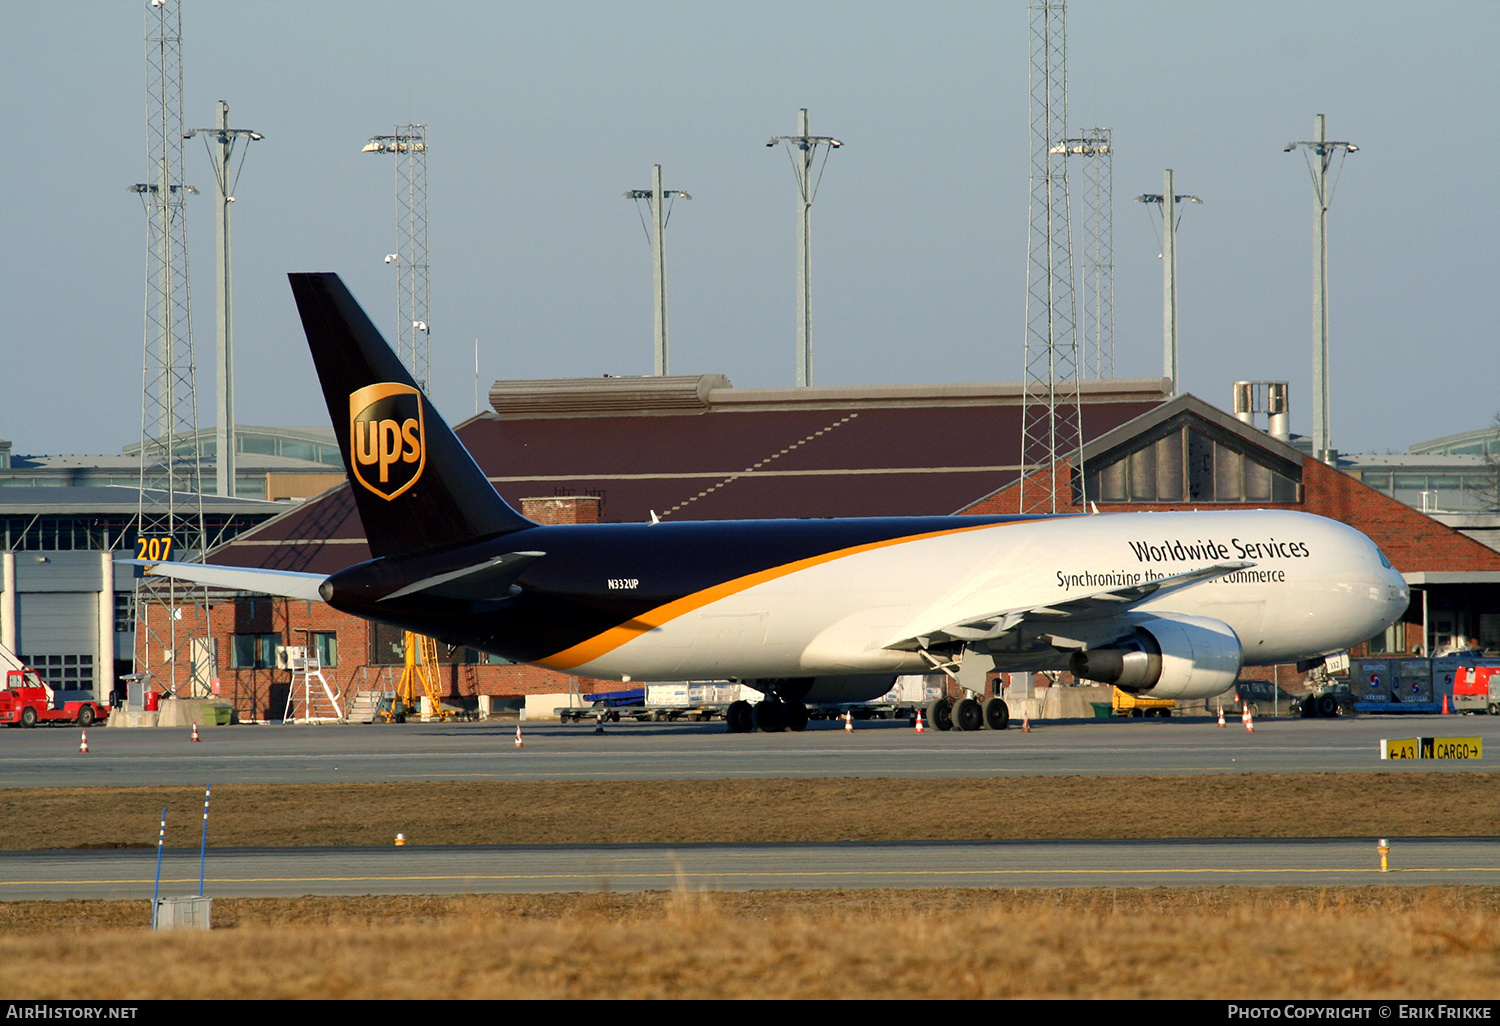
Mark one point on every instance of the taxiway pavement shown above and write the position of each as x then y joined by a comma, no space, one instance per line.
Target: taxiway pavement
49,756
458,869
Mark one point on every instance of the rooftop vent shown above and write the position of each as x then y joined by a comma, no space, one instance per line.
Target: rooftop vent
1268,397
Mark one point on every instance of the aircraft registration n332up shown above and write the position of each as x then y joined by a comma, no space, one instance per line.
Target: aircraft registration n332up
1167,605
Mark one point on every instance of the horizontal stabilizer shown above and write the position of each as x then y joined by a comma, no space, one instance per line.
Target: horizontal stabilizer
239,578
492,580
1094,606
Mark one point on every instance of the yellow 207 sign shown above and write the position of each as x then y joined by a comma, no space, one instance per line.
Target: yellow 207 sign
153,549
1431,748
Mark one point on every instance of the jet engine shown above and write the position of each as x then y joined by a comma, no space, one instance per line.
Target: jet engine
1166,657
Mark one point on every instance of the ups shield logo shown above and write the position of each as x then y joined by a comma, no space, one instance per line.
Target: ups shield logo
387,433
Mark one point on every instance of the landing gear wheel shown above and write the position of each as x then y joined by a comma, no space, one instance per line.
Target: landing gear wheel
770,715
1328,705
940,714
86,717
996,714
740,717
796,714
967,715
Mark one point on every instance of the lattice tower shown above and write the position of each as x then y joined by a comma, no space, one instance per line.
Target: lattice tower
1051,427
413,337
170,499
1096,149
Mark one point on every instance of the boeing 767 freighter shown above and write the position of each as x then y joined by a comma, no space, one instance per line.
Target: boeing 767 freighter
1165,605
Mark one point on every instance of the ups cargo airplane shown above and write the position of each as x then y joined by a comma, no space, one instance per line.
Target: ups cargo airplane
1166,605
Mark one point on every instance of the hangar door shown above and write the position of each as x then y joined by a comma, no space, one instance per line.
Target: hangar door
56,632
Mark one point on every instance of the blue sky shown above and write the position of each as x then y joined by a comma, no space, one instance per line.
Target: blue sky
541,114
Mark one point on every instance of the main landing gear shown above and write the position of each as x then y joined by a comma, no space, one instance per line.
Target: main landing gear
968,714
772,715
781,709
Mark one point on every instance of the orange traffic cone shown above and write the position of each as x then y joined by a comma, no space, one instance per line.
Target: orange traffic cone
1445,706
919,728
518,735
1025,721
83,746
1221,716
1249,721
195,732
848,722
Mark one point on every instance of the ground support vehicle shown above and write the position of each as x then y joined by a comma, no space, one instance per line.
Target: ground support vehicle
27,700
1329,690
1477,689
1393,685
866,711
639,713
1123,703
668,702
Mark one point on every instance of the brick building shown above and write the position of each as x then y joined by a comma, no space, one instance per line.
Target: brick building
623,450
1185,454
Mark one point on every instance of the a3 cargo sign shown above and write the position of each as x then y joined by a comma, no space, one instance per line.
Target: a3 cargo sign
1430,748
387,438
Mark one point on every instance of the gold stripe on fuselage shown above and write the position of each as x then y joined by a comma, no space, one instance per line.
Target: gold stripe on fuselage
607,641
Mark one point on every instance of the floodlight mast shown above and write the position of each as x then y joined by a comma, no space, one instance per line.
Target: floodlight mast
656,198
170,496
1094,144
1051,407
221,142
802,148
413,339
1320,152
1170,219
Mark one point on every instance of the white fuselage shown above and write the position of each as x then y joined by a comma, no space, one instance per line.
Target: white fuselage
1316,586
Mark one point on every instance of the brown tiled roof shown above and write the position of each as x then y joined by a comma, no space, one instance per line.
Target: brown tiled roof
734,460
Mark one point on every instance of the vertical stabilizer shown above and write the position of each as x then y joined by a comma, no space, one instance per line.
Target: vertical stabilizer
416,485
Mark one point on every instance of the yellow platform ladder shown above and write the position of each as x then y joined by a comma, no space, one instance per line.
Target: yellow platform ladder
421,669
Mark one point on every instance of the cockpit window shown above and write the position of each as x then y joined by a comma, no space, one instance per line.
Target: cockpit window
1383,561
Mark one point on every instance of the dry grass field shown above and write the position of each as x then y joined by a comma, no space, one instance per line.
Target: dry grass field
1211,942
683,812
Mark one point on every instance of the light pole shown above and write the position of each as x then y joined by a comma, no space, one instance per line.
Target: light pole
1171,365
1320,152
802,148
656,198
221,141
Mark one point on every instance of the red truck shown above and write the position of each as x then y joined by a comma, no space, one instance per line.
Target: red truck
27,701
1476,689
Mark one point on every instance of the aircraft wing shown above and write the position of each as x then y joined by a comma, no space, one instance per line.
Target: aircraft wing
1093,606
239,578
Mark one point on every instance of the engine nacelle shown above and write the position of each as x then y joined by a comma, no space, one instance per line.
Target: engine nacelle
1166,657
